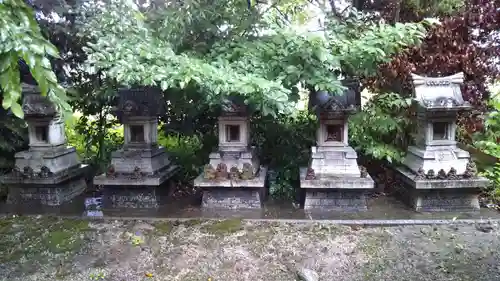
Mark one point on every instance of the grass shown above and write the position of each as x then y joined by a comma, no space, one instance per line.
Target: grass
35,238
224,227
163,228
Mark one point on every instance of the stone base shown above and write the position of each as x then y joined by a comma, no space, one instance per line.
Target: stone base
46,195
335,200
228,194
125,191
439,195
128,180
340,193
225,198
134,197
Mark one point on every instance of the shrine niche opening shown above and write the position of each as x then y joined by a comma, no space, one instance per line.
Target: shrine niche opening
333,133
233,133
137,133
42,133
440,131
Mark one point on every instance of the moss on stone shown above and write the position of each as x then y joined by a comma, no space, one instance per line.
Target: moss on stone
224,227
192,222
163,228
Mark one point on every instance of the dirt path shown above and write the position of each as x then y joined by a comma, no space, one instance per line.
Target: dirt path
47,248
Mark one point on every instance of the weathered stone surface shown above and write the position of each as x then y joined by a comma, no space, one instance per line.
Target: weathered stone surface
228,198
132,197
233,194
335,182
335,200
439,195
305,274
140,101
148,160
443,200
258,182
437,101
129,179
238,181
407,177
56,159
38,106
46,195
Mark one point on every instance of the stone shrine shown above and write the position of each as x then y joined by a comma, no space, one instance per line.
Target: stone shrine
49,172
233,178
139,171
437,175
333,180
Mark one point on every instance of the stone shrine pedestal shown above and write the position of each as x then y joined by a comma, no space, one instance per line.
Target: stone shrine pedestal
243,185
336,193
333,180
434,195
233,194
139,172
49,173
436,175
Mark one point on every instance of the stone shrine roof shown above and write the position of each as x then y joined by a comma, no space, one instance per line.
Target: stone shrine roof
234,106
349,101
140,101
37,106
439,93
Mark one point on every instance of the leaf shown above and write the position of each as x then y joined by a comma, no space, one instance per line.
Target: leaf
6,101
164,85
37,49
17,110
51,50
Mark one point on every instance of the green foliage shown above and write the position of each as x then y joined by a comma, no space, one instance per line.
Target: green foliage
222,48
20,38
435,7
488,141
186,151
381,130
493,174
362,44
284,146
95,139
14,138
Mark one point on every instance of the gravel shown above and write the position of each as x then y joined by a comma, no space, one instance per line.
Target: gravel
40,248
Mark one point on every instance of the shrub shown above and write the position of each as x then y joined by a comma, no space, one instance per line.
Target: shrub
95,139
381,130
14,138
185,151
284,146
488,141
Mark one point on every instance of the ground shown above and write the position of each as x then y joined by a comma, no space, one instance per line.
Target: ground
46,248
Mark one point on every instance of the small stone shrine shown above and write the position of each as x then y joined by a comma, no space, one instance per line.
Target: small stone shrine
49,172
139,171
333,180
233,179
437,175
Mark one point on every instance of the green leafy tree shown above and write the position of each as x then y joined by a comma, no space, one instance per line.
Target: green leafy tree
21,39
220,48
